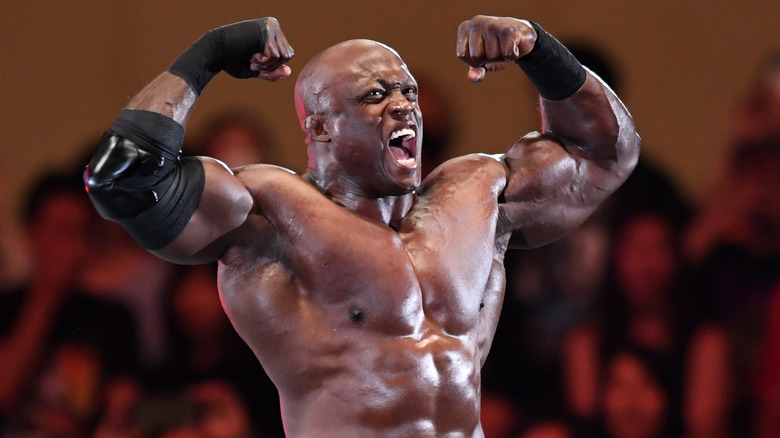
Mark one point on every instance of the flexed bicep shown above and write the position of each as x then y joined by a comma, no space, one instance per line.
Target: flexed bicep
224,205
588,145
558,178
552,187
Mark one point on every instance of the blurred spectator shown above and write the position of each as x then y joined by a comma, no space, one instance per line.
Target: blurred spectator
735,241
735,238
235,138
744,209
206,348
637,401
746,181
120,269
757,115
650,302
57,343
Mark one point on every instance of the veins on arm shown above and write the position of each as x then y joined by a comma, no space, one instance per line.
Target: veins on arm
168,95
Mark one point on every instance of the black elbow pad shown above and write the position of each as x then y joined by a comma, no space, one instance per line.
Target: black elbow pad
123,180
137,179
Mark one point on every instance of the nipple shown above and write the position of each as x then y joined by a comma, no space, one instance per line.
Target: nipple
355,314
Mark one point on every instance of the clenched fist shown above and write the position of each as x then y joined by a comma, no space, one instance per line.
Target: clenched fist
492,43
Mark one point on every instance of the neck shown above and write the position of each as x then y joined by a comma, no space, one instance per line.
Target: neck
388,210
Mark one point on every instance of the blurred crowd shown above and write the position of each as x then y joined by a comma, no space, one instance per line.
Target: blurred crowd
657,318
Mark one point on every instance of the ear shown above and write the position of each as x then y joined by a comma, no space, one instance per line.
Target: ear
316,128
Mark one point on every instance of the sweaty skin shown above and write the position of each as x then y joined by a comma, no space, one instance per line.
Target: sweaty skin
370,298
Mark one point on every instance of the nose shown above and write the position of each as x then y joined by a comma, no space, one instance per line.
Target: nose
400,107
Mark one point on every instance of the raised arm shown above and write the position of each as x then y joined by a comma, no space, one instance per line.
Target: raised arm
587,147
180,208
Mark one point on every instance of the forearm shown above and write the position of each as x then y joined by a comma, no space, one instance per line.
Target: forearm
229,48
595,121
168,95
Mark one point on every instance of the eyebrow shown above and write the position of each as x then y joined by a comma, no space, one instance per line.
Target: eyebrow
387,84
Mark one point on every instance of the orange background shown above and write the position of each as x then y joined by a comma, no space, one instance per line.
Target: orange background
69,67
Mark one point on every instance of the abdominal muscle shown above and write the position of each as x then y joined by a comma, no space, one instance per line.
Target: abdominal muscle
368,385
340,377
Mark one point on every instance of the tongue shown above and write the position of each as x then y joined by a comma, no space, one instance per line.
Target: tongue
399,153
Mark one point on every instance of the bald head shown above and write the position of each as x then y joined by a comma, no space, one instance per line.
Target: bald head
357,105
333,65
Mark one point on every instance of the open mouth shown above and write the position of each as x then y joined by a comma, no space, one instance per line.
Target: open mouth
403,147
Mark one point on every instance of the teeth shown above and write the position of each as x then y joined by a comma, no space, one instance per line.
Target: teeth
406,133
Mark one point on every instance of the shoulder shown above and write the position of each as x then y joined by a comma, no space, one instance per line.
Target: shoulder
269,184
469,169
264,173
471,161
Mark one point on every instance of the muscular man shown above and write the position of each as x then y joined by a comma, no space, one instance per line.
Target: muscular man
370,298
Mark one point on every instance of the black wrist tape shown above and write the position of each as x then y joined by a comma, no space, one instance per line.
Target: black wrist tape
553,70
228,48
137,179
198,64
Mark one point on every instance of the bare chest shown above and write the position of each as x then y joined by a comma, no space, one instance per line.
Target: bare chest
435,267
342,269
